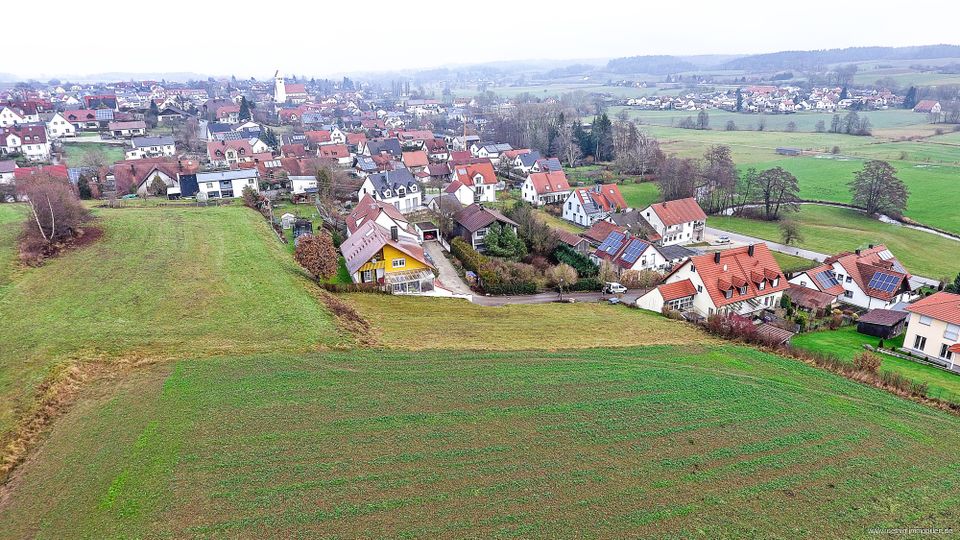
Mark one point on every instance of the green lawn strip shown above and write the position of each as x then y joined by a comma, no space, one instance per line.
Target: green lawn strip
160,283
11,223
847,343
76,152
661,439
832,230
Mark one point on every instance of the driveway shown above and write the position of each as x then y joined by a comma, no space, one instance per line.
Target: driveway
547,297
448,276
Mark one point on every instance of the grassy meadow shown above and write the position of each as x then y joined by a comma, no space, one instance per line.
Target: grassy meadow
831,230
161,283
656,441
76,152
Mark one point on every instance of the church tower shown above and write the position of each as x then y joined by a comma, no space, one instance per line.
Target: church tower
280,90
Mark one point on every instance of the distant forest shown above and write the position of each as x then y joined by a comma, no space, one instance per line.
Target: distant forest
663,65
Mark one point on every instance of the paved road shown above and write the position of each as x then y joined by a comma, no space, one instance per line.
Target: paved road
742,239
547,297
449,278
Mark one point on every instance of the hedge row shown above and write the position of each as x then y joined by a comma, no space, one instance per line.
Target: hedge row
587,284
490,279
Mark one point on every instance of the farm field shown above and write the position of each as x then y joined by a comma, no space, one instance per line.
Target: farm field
847,342
832,230
161,283
556,89
657,441
75,152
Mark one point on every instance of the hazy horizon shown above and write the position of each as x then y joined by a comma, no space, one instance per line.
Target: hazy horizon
410,40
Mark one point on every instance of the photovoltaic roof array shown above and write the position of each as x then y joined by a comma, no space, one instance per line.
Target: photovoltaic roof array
633,251
612,243
882,281
827,279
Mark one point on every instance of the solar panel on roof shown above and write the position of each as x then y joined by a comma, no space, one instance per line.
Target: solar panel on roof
633,251
885,254
882,281
612,243
826,279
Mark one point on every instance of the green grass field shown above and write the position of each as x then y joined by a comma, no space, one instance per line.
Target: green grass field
161,283
651,442
11,219
77,151
832,230
847,343
255,418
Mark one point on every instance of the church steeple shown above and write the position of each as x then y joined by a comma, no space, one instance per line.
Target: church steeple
280,90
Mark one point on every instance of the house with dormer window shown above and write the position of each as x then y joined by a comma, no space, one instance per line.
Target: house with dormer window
398,187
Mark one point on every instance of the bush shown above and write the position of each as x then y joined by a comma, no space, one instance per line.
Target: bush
316,254
580,262
867,361
472,260
640,279
587,284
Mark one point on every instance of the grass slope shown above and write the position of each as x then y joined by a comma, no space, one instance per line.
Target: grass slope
11,220
847,343
832,230
161,283
660,441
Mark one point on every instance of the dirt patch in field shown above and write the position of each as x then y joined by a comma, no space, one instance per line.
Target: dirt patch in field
35,254
348,318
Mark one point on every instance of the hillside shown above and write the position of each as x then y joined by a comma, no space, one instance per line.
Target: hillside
243,411
821,58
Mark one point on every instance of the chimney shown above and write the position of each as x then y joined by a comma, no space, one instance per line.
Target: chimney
750,251
716,256
871,246
858,251
394,233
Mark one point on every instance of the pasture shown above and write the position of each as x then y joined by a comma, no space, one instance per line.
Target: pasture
657,441
75,152
831,230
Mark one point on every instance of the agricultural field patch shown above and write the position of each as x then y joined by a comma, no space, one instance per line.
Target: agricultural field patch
657,441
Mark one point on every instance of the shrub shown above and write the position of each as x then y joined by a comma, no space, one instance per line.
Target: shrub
580,262
472,260
640,279
250,197
587,284
316,254
866,361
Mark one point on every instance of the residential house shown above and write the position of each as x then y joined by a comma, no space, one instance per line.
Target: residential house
385,215
226,184
10,116
229,153
526,161
577,243
624,253
600,231
547,165
677,222
545,188
151,147
376,255
398,187
83,119
437,150
744,280
415,160
446,205
870,278
474,183
136,175
7,167
337,154
58,127
933,329
929,106
490,151
586,206
29,140
133,128
376,147
474,221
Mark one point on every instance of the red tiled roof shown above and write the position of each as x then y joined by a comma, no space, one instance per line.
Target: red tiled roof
738,267
809,298
549,182
415,159
217,149
677,290
28,134
678,211
333,151
467,174
607,197
835,290
294,88
600,230
318,136
368,209
80,115
56,171
356,138
476,217
293,150
568,237
942,306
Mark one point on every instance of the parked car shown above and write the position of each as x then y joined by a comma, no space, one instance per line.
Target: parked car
612,287
723,239
614,301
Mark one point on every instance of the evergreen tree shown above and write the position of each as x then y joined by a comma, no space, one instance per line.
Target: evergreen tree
844,94
602,138
910,101
244,109
83,188
739,100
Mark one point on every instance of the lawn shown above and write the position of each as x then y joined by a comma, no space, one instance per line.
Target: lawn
75,152
431,323
161,283
792,263
557,222
685,441
847,343
832,230
640,195
11,220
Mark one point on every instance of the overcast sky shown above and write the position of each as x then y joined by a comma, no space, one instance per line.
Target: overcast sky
325,38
